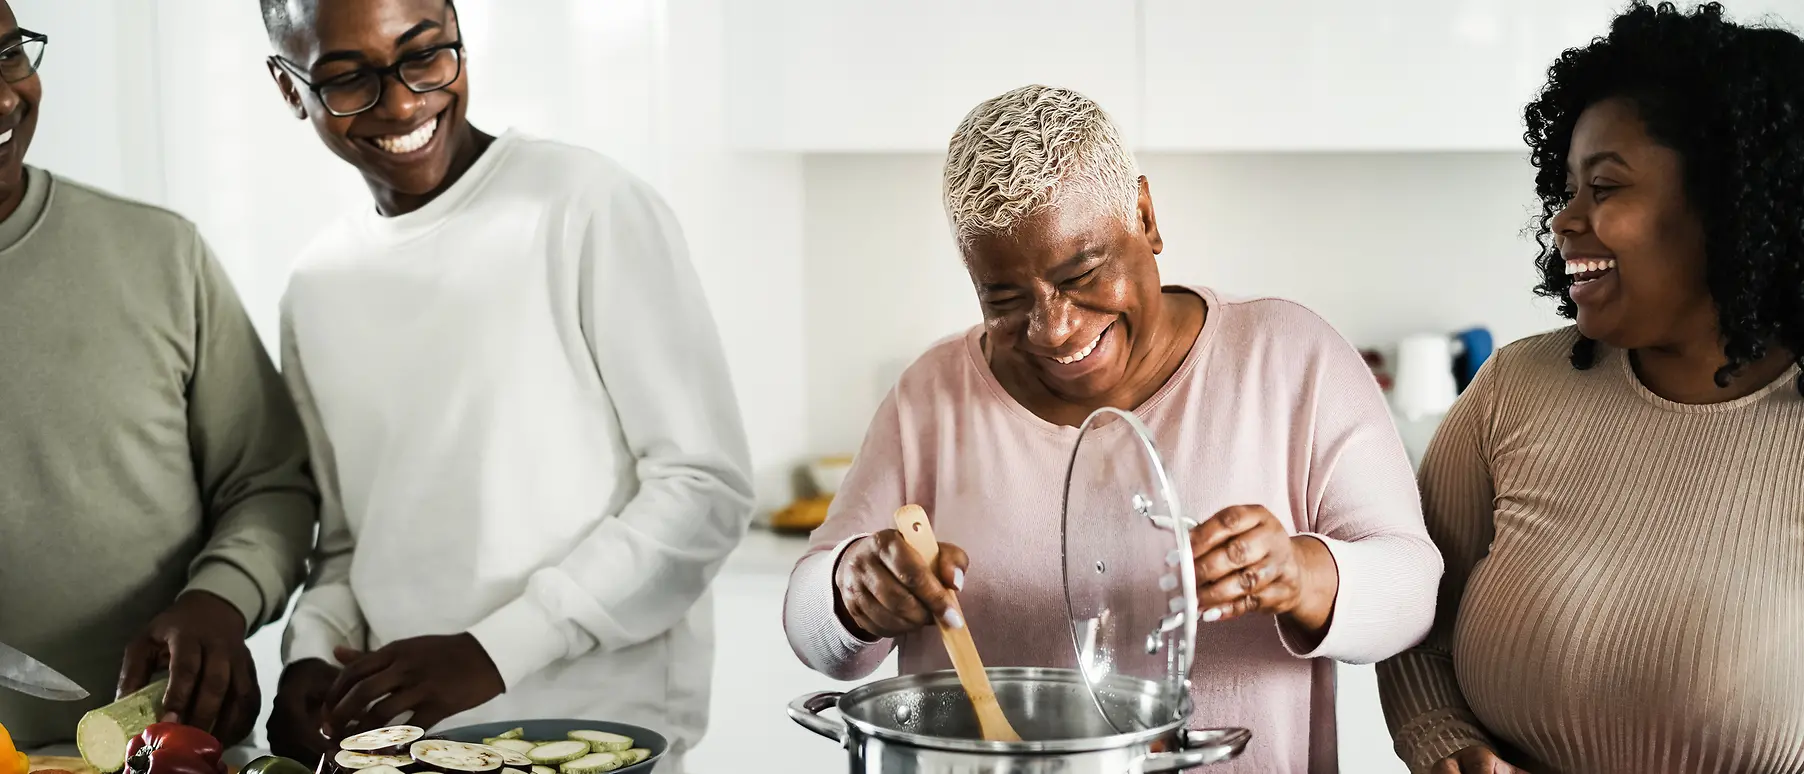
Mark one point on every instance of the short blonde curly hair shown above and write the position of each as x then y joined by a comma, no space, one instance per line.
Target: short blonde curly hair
1030,149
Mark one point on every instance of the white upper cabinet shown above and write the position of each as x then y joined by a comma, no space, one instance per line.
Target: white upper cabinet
1396,75
883,75
1180,75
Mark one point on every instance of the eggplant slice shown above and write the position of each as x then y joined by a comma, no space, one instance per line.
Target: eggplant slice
392,740
447,756
354,760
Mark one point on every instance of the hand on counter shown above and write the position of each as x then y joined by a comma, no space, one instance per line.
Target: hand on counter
294,726
1247,562
885,590
212,681
433,677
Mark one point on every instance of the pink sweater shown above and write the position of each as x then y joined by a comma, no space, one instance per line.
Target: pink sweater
1271,407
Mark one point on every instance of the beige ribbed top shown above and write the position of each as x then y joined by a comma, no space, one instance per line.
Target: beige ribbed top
1624,591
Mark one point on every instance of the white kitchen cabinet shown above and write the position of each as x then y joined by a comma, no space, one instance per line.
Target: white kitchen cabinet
1398,75
877,75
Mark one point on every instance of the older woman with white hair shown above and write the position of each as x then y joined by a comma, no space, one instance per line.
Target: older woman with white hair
1265,417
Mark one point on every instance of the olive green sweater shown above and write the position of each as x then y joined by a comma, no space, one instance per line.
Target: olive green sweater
147,444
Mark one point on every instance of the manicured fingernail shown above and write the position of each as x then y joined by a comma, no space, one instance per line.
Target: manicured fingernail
169,717
958,579
1168,582
1176,604
1174,557
1212,615
954,620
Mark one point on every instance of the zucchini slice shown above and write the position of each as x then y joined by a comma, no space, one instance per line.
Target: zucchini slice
448,756
601,741
593,763
636,755
513,733
555,753
517,746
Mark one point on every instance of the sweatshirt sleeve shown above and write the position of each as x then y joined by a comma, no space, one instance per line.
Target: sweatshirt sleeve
250,458
1364,507
654,342
326,615
1427,714
865,503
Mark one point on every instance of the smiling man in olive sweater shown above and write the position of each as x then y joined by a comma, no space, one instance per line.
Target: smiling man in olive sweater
155,506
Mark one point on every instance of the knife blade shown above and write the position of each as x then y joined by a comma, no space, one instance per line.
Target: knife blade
32,677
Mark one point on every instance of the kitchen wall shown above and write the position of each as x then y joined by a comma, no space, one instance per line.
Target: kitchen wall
1381,245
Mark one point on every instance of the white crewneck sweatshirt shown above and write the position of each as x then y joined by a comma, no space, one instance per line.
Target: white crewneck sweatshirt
523,427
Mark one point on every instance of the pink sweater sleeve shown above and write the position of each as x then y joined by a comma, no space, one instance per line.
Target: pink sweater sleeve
1363,504
872,491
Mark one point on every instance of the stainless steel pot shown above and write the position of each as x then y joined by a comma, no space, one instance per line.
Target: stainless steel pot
925,724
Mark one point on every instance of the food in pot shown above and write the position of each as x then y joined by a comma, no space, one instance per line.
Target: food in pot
601,741
173,748
593,763
103,734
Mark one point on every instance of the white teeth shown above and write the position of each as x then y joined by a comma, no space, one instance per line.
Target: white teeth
410,142
1580,267
1082,354
6,137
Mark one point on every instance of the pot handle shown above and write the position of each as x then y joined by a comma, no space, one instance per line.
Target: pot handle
1200,748
806,712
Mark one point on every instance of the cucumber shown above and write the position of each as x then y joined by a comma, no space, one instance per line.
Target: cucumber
636,755
103,734
555,753
593,763
513,733
601,741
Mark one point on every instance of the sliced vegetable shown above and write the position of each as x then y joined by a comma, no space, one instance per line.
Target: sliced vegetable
383,769
636,755
448,756
537,769
518,746
513,733
358,761
386,741
103,734
593,763
602,741
555,753
512,771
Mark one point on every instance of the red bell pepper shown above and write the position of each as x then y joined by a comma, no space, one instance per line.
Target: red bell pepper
172,748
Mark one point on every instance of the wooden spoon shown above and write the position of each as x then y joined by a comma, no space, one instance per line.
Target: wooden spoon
911,521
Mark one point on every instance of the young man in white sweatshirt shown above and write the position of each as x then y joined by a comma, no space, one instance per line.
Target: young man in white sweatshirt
531,459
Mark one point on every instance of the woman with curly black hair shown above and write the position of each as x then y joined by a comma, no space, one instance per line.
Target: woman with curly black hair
1620,504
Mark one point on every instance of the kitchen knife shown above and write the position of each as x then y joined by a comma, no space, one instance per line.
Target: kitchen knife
32,677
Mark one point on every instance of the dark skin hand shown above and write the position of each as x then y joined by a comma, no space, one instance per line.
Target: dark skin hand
19,113
1628,205
295,721
884,589
212,682
1071,276
433,677
1474,760
1246,562
341,37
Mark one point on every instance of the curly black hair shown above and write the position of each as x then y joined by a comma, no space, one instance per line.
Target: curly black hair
1729,100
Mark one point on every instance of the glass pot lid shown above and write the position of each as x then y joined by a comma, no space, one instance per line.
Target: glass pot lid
1130,586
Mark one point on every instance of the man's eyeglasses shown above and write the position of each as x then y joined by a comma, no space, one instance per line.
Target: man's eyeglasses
19,59
354,92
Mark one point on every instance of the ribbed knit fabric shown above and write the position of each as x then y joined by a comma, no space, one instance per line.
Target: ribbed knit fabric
1624,591
1271,407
